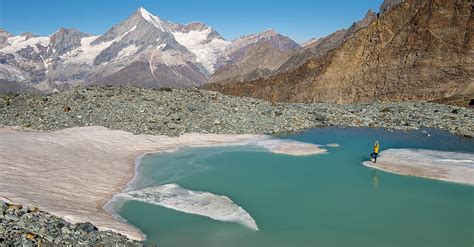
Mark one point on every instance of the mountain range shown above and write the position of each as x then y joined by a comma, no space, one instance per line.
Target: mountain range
143,50
409,50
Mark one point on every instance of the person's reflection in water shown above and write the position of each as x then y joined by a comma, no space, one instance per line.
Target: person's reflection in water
375,178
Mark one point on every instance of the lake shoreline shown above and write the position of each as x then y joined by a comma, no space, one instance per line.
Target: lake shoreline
101,161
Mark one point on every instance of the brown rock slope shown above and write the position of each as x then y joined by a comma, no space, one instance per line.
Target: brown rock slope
257,62
417,50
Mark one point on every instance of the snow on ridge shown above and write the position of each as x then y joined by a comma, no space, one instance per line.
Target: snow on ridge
251,39
128,51
157,22
86,53
17,43
207,53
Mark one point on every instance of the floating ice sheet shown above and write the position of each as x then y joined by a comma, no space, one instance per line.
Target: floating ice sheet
447,166
217,207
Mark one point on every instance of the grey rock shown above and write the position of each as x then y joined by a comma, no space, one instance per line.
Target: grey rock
11,217
86,227
29,227
65,40
198,111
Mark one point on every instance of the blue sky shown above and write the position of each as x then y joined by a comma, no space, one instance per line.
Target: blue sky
298,19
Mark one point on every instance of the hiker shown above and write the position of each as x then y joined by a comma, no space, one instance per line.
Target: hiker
376,151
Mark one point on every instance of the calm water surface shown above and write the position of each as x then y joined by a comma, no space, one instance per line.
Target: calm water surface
321,200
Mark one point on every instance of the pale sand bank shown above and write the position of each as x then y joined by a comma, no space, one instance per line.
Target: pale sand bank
447,166
72,173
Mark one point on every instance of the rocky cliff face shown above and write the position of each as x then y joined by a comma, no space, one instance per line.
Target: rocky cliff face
320,47
388,4
254,56
257,61
4,35
417,50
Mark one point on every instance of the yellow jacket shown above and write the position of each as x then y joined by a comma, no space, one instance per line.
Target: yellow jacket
376,148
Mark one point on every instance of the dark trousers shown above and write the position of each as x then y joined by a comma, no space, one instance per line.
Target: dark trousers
374,155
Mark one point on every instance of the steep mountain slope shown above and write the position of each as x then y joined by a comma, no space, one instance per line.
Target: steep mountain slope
415,50
311,42
4,35
143,51
254,56
239,46
322,46
205,42
258,61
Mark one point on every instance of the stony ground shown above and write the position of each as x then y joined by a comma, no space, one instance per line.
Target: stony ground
24,226
177,111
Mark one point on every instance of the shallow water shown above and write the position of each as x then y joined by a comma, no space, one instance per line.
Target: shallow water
321,200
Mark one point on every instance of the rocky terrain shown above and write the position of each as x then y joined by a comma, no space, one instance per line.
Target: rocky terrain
320,47
254,56
413,50
258,61
177,111
24,226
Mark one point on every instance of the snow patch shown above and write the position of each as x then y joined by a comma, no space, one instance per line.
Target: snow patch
207,53
86,53
128,51
20,42
206,204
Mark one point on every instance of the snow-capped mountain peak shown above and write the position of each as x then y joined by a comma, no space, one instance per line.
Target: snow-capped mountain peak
142,50
155,20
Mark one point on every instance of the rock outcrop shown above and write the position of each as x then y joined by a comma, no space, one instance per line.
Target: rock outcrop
322,46
4,35
257,61
25,226
416,50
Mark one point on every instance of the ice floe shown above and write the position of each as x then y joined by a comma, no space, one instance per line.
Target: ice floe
173,196
447,166
290,147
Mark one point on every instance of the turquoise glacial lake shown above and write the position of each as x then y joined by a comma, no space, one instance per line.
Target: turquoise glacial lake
321,200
